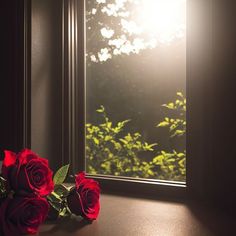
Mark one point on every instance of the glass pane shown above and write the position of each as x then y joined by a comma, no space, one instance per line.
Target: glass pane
135,88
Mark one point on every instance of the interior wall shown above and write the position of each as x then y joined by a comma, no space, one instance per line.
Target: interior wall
12,75
199,74
211,125
222,161
46,82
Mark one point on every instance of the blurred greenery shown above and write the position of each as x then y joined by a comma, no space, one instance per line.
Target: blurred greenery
111,150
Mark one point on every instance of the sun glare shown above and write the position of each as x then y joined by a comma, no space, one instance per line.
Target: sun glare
164,19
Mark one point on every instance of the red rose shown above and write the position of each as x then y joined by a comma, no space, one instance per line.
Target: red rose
22,215
84,198
27,172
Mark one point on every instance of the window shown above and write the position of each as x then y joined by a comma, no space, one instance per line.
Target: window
135,88
59,133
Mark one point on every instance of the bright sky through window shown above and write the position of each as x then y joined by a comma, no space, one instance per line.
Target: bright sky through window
132,26
164,20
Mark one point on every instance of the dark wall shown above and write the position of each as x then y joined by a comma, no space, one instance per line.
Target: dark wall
199,74
222,178
12,65
45,25
46,80
211,60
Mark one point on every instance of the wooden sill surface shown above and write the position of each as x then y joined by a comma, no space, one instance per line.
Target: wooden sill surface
126,216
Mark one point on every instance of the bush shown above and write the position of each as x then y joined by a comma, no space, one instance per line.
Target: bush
172,165
110,150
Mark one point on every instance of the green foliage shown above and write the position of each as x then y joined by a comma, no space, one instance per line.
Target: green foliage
61,190
57,198
169,166
177,125
61,174
58,202
172,165
112,151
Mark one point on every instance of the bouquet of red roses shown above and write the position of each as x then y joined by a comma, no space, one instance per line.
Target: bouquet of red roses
29,194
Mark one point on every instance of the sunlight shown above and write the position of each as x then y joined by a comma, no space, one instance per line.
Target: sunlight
164,19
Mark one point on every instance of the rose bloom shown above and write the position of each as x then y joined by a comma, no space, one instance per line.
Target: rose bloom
84,198
22,215
27,172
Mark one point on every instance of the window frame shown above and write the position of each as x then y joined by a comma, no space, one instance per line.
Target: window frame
74,19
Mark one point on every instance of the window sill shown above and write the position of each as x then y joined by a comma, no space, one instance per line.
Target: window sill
135,216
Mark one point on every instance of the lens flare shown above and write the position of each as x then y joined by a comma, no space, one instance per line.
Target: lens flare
164,19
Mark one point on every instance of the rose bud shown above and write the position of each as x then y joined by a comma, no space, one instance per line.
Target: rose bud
83,199
22,215
28,172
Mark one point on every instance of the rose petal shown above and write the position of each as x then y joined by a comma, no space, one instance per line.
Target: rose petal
8,162
28,172
25,156
89,191
80,177
22,215
74,202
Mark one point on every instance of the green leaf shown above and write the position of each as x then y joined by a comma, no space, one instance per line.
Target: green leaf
182,163
178,133
181,155
55,201
101,109
54,197
172,127
163,124
63,212
61,174
108,137
123,141
96,141
170,105
180,94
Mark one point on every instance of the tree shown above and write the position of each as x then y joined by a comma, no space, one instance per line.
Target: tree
124,27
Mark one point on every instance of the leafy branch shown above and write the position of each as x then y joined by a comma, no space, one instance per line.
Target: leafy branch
58,198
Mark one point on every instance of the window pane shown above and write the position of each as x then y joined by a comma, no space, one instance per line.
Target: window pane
135,88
